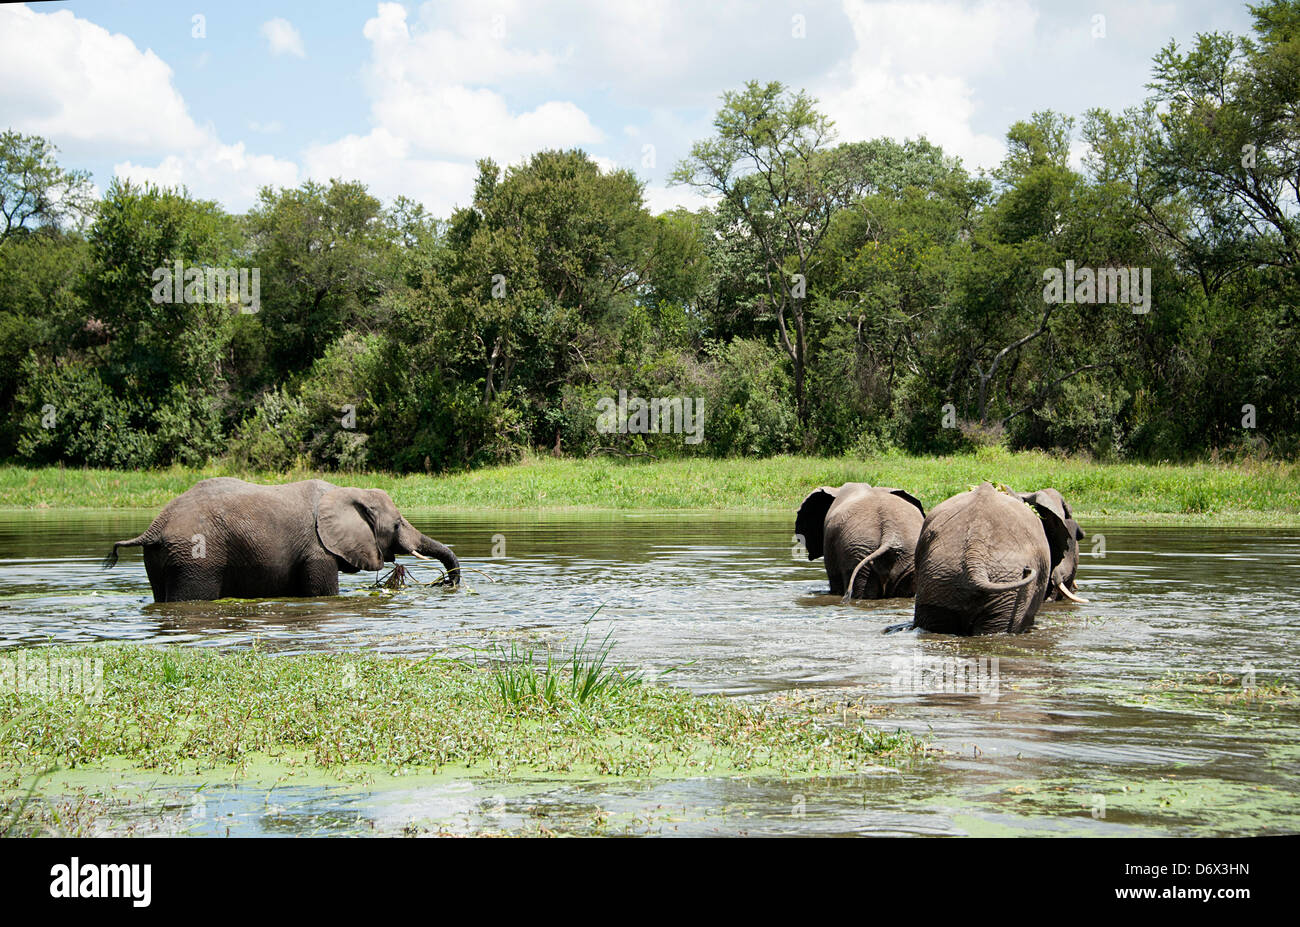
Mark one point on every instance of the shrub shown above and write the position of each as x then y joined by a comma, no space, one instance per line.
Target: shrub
271,438
749,405
324,422
69,414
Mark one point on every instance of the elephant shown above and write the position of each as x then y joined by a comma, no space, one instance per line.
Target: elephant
986,559
225,538
857,525
1063,584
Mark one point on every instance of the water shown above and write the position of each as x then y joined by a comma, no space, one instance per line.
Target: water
1074,739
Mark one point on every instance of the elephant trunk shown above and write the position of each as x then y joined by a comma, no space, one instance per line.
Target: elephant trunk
426,548
432,549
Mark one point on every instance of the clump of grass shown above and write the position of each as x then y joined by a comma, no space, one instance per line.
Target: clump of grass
519,683
581,679
171,672
396,578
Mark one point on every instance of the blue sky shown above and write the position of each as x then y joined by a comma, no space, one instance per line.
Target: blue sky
405,97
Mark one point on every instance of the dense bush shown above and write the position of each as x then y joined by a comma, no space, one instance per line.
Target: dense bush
748,407
67,413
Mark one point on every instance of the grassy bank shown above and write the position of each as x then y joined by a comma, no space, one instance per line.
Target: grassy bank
185,712
1249,493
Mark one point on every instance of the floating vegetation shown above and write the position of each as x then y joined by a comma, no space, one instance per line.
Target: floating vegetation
186,711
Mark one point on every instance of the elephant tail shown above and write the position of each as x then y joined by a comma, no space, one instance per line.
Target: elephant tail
149,537
861,563
983,582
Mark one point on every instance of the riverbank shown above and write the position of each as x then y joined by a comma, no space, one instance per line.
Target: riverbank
1253,493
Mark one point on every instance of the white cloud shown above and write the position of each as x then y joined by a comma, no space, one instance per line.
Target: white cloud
460,122
433,118
386,164
645,53
75,82
912,71
425,89
90,92
474,49
451,81
283,38
663,199
226,173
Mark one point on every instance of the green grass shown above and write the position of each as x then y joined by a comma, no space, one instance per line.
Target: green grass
186,712
523,681
1255,493
1218,691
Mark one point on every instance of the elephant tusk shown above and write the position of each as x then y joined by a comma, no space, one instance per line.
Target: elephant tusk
1070,595
415,553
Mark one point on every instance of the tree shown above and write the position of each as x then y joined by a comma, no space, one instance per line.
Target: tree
548,252
780,183
34,191
1210,165
887,288
326,255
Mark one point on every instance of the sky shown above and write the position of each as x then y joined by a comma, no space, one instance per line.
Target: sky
405,97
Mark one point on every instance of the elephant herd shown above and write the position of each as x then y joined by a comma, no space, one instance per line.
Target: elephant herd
981,562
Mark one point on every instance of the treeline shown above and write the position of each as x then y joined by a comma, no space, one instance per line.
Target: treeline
833,298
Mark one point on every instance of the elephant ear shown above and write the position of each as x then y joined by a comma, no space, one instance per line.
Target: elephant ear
1051,512
810,522
905,496
344,522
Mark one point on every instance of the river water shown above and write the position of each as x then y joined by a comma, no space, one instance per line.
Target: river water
1084,725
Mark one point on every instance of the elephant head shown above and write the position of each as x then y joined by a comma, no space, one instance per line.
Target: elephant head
1062,585
364,530
985,560
867,535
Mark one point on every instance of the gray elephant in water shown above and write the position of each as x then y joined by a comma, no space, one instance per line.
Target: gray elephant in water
1063,584
225,538
986,559
868,536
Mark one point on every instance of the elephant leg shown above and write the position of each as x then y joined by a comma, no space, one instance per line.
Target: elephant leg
903,580
834,577
318,577
191,585
940,620
865,580
901,585
156,571
868,585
